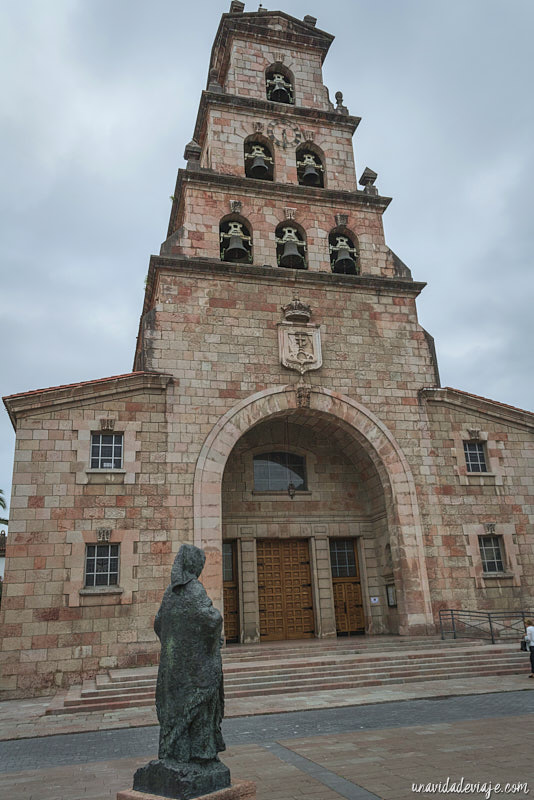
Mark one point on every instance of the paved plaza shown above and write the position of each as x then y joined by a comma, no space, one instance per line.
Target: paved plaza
378,750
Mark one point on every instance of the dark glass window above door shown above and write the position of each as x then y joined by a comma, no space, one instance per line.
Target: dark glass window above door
273,472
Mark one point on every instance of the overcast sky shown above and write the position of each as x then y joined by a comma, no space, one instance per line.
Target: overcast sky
99,98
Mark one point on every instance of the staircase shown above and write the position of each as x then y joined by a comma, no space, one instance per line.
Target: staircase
311,666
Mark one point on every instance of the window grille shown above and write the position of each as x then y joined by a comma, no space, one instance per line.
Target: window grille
228,561
106,450
491,553
475,457
342,558
102,565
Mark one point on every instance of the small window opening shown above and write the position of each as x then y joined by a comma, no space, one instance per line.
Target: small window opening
343,558
475,457
106,450
491,553
102,565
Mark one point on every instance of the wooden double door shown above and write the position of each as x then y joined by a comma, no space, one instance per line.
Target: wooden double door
285,589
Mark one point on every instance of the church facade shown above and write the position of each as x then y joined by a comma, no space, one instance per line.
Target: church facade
284,411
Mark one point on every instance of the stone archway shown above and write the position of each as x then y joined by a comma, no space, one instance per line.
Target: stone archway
367,431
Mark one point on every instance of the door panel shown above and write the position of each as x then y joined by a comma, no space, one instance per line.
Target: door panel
284,589
230,592
348,603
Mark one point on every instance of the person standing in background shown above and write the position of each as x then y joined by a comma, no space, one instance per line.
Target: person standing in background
529,638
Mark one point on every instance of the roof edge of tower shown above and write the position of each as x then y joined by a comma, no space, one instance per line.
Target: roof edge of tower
255,24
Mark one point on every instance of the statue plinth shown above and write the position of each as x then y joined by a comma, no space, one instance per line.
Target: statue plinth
239,790
182,781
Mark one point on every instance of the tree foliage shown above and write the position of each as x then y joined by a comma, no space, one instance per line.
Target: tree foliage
3,505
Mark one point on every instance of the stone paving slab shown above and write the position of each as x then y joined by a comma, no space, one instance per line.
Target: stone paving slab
388,761
26,718
275,780
383,763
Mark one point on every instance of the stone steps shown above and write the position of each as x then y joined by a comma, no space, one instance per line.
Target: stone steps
275,650
307,670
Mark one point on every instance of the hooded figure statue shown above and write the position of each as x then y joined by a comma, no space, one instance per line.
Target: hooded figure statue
189,691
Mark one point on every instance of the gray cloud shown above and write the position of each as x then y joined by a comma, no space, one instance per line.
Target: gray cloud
100,98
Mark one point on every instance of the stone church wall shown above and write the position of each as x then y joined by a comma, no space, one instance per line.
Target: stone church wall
56,630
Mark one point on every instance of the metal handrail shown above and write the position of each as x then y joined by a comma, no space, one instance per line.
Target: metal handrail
491,625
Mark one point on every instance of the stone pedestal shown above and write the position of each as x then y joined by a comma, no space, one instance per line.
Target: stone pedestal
182,781
239,790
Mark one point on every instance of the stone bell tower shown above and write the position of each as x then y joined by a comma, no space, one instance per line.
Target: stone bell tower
274,289
271,154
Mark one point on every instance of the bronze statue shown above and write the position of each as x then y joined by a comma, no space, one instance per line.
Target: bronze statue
189,692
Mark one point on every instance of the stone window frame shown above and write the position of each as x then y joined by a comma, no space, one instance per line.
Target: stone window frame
75,591
494,474
509,550
131,464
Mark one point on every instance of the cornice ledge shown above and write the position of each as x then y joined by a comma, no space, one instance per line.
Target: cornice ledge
35,402
208,98
277,274
286,189
481,405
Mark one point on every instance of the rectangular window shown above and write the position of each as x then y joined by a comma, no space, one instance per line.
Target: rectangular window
491,553
274,472
106,450
102,565
475,457
228,561
343,558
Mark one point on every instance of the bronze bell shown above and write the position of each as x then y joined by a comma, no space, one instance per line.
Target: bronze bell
259,168
236,251
279,94
291,257
344,264
310,176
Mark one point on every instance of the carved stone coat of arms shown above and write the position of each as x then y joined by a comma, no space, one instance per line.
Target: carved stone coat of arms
300,346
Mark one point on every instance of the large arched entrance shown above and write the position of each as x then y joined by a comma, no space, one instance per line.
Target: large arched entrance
361,507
